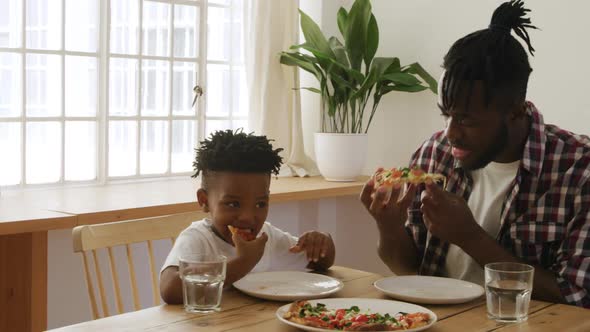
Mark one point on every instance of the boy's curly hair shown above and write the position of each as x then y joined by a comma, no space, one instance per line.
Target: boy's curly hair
236,151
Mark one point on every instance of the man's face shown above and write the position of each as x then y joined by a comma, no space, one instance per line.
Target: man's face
478,134
236,199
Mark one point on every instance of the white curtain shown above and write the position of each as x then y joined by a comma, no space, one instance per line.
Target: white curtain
272,26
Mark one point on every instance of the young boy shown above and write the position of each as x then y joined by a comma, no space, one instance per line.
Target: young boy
235,173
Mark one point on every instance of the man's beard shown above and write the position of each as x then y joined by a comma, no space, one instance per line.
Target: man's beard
498,144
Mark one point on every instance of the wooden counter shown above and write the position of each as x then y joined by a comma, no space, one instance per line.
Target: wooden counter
99,204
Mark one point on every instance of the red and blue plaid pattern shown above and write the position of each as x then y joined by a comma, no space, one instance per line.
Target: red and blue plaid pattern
545,215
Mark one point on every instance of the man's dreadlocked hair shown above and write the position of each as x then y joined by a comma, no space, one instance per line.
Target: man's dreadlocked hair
493,56
236,152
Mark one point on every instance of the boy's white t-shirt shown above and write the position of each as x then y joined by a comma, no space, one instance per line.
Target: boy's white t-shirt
200,238
490,186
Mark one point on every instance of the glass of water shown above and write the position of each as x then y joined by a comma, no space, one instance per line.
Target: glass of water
508,291
202,281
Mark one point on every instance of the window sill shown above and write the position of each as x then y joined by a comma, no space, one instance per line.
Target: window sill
41,210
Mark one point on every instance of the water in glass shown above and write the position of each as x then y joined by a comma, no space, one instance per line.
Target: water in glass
508,290
202,281
202,292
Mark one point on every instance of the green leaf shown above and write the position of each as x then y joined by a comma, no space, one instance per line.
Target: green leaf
339,80
367,84
342,18
404,88
314,36
381,65
395,67
378,67
416,68
356,32
296,47
339,51
323,59
401,78
372,40
297,60
316,90
355,74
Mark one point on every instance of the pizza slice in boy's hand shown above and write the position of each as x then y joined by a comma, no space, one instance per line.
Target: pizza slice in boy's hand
245,234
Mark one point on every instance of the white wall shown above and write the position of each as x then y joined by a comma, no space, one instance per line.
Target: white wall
413,30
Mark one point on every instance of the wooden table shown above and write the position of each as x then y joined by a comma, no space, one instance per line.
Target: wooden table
26,216
244,313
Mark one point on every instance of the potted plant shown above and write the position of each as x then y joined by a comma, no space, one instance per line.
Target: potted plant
352,82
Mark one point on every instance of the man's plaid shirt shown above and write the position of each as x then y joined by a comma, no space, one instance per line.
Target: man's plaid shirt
545,215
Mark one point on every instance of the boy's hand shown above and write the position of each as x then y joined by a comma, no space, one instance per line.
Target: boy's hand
315,244
251,251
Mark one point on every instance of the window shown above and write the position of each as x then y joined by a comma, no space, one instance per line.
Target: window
100,90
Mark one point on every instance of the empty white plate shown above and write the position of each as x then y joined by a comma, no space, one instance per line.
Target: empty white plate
288,285
430,290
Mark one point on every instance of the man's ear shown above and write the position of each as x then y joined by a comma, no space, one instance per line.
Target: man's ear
203,199
519,111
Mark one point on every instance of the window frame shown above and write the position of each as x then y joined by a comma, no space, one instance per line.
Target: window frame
103,118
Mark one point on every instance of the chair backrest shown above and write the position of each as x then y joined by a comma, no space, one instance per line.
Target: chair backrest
88,239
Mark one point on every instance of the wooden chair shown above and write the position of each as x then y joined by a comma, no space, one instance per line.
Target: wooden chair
88,239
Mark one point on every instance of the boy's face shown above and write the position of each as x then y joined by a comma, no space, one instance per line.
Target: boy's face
236,199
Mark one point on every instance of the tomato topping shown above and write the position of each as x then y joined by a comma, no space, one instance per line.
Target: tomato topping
361,319
396,174
318,321
417,172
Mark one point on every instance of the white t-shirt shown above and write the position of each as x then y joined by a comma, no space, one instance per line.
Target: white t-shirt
490,186
200,238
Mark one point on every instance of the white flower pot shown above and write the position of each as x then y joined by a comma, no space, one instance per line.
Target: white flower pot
341,157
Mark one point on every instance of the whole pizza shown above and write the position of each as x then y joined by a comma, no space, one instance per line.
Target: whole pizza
353,318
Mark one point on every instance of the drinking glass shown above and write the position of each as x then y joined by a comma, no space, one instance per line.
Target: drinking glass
202,281
508,291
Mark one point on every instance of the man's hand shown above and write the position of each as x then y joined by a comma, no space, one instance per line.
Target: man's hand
395,247
390,212
447,216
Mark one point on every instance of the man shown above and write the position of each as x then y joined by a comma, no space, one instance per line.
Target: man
518,190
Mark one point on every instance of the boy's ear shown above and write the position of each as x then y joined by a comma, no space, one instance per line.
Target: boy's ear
203,199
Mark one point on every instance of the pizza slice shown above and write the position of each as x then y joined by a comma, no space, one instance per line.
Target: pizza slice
390,177
299,312
245,234
414,320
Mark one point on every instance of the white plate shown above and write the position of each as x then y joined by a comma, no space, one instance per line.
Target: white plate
431,290
288,285
374,305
